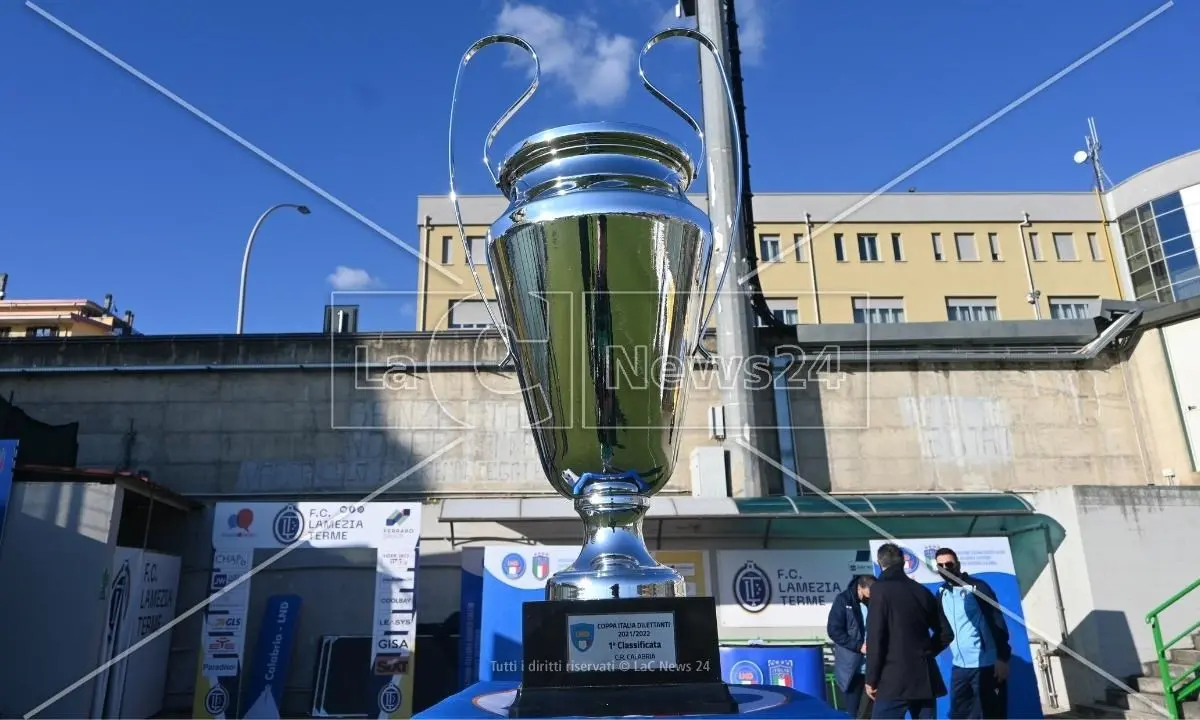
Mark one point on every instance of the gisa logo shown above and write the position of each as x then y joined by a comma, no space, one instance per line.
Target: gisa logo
288,525
216,700
389,698
911,563
513,565
752,588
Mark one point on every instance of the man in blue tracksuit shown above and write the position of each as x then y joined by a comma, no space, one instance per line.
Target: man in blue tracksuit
847,628
980,649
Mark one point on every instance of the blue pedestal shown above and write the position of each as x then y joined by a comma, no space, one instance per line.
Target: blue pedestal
490,700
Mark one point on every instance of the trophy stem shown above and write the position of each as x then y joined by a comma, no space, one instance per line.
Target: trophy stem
614,561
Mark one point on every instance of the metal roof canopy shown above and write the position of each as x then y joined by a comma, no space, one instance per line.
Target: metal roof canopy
807,516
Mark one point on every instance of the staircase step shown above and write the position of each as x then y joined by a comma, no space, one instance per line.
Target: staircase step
1196,640
1104,710
1184,656
1176,669
1148,704
1151,684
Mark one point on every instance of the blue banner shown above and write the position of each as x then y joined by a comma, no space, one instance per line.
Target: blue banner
8,458
990,560
468,617
272,656
798,667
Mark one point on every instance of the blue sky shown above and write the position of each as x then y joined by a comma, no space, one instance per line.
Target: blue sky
109,187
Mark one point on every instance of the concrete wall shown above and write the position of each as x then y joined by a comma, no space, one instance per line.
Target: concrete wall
1123,551
58,540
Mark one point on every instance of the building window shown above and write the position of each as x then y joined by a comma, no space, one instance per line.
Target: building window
801,243
5,331
994,247
478,250
938,255
1158,246
878,310
1074,308
1035,246
1094,247
868,248
768,248
897,247
41,332
964,245
784,310
973,309
469,314
1064,247
839,247
447,250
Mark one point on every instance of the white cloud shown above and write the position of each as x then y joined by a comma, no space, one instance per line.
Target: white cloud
752,28
348,278
594,65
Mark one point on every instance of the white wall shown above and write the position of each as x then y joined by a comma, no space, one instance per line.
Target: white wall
1124,551
57,547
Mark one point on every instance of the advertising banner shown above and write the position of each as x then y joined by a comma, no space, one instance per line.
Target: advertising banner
241,528
272,658
141,600
783,588
471,597
514,575
798,667
989,559
8,458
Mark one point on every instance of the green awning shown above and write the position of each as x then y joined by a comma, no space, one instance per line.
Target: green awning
885,505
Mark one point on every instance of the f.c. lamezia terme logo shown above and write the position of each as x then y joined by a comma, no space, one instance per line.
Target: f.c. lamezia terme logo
752,588
288,525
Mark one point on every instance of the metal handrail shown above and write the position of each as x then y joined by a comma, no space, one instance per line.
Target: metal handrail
1174,695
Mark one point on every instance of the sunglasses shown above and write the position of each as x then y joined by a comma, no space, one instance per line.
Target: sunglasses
947,565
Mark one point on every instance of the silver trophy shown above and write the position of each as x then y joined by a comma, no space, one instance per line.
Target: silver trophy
601,265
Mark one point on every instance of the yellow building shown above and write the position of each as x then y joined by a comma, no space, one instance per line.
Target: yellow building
60,318
840,258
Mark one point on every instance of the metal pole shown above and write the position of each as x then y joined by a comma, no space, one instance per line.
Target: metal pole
241,309
734,315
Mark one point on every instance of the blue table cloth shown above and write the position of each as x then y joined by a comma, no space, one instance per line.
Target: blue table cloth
491,700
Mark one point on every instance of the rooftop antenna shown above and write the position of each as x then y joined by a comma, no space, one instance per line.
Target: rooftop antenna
1091,155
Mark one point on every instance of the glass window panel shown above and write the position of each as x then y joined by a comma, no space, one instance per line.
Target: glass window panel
1178,245
1134,243
1127,222
1181,267
1167,203
1139,261
1150,234
1172,225
1144,213
1161,277
1064,246
1143,282
1155,253
1187,289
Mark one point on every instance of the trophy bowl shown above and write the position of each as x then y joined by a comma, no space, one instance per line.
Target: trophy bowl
601,264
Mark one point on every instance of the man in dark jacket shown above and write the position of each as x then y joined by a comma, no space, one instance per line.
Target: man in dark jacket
907,630
980,650
847,628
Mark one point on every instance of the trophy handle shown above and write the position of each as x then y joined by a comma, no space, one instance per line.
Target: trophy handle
732,222
487,146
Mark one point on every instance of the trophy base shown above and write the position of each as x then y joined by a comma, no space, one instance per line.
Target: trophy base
609,658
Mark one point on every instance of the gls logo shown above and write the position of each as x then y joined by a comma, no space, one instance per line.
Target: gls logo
392,644
223,622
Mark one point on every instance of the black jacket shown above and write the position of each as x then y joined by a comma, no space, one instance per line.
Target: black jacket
845,629
907,630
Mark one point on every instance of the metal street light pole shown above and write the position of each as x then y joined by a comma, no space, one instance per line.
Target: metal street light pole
241,311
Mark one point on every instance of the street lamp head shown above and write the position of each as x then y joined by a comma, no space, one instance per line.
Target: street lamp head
303,209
